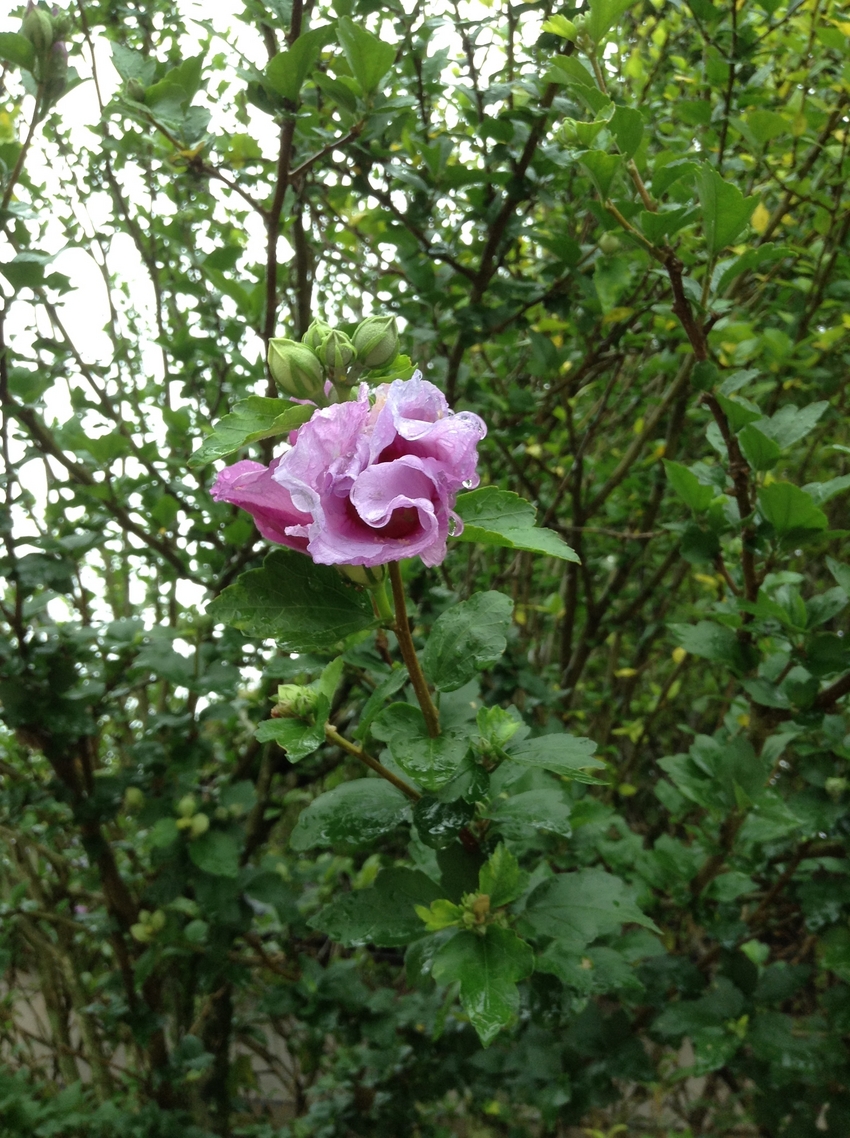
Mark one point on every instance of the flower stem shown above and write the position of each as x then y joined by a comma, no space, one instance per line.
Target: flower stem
333,736
408,652
382,604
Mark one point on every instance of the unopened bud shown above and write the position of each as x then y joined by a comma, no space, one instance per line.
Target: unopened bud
376,341
370,576
134,799
316,334
295,701
609,243
200,825
186,806
38,28
336,353
135,90
296,370
56,71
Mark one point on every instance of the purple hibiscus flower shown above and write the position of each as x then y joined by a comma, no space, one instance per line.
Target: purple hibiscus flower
368,481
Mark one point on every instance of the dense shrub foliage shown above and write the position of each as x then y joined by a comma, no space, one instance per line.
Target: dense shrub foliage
613,890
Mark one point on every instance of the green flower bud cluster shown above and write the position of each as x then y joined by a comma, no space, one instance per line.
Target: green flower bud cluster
47,35
148,925
190,818
327,354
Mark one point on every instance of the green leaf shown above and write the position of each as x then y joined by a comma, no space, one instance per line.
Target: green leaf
252,419
488,969
579,907
602,167
540,809
790,423
297,738
562,754
353,814
285,72
305,607
840,572
739,411
707,640
431,762
440,914
767,125
789,509
215,853
16,48
568,69
438,823
501,878
368,57
604,14
163,833
760,451
689,488
500,517
467,638
25,270
561,26
725,210
627,127
384,914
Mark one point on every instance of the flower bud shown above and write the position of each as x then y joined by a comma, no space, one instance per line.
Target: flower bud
336,353
56,71
316,334
38,28
135,90
376,341
294,701
186,806
134,799
609,243
371,577
200,825
296,370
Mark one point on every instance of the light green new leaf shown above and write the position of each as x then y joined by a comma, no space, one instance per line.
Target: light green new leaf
252,419
563,754
578,907
689,488
353,814
297,738
604,14
368,57
466,638
501,878
500,517
16,48
488,969
384,914
725,210
790,509
561,26
305,607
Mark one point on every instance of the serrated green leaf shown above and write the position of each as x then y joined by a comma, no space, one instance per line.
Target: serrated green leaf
540,809
760,451
352,814
500,517
305,607
562,754
285,72
216,853
297,738
627,127
790,423
16,48
488,969
790,509
603,16
560,26
576,908
467,638
602,167
430,762
501,878
689,488
384,914
368,57
252,419
725,210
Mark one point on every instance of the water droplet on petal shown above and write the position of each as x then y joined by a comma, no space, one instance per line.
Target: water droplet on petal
454,525
467,483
